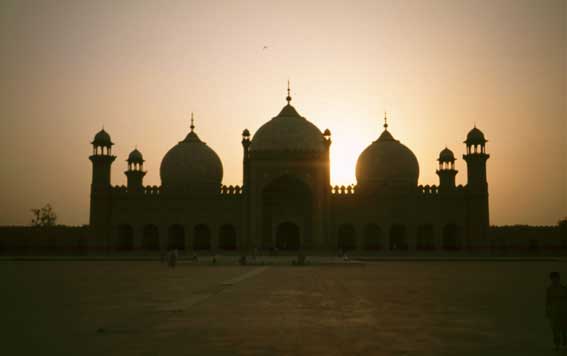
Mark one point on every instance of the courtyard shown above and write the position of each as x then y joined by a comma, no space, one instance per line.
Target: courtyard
332,308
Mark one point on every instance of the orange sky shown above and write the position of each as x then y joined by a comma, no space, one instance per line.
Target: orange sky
437,67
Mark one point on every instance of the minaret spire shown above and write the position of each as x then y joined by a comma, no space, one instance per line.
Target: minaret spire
288,98
192,122
385,121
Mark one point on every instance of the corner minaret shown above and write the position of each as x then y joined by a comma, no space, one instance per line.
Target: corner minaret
446,171
135,173
476,161
102,159
101,196
477,189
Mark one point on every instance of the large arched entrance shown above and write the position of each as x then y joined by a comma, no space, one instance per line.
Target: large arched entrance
284,200
124,238
288,237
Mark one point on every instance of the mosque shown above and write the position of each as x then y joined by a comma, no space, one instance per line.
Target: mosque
286,203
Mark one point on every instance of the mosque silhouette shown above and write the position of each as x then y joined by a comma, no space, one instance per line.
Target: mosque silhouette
286,202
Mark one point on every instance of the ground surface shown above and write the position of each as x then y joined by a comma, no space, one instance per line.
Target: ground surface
376,308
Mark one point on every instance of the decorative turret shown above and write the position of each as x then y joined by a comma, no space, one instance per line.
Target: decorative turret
135,172
446,171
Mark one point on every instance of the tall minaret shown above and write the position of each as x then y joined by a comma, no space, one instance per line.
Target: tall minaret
102,159
477,189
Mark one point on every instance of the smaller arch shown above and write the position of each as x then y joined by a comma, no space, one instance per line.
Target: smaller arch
150,238
201,237
176,237
372,237
451,239
425,238
346,237
124,238
227,237
398,241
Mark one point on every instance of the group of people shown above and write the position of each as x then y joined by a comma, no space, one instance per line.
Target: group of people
556,310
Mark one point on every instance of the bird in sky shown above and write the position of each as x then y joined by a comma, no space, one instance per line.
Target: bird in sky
265,47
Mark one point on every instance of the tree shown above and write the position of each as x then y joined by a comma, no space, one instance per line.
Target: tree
44,217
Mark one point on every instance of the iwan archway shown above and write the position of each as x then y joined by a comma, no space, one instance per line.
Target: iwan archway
286,214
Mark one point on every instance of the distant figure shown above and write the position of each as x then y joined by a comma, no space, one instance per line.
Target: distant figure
556,309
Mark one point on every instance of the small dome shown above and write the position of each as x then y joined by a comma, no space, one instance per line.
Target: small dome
102,138
446,155
191,166
475,137
288,132
135,157
387,162
245,133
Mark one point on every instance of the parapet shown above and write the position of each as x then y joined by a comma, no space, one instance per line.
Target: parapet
231,190
343,190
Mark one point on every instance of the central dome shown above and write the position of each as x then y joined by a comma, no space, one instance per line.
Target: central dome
387,162
288,131
191,166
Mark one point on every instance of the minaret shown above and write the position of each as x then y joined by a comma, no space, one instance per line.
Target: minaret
135,173
476,161
446,171
101,159
477,189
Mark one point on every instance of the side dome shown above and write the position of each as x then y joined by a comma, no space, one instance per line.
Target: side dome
102,138
387,163
191,167
446,155
135,157
475,137
288,131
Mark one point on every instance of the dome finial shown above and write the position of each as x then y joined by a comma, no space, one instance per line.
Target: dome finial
192,122
288,98
385,121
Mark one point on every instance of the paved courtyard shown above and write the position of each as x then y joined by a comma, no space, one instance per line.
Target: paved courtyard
375,308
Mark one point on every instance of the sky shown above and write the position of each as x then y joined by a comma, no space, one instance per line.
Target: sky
139,68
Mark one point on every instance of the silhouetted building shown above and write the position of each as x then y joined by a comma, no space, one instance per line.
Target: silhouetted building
286,202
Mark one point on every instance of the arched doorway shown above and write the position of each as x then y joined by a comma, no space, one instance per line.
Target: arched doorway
124,238
286,199
398,240
227,237
150,238
451,237
287,237
176,237
346,239
425,238
202,237
372,237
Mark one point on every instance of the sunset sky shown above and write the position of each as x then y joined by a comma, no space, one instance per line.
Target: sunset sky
141,67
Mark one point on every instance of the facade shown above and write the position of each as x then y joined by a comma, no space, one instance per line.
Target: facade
286,202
